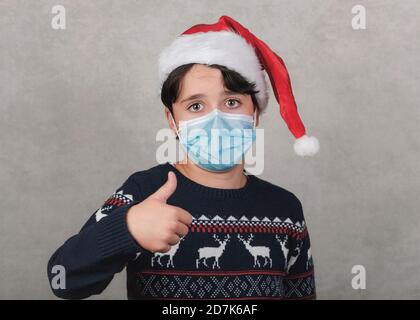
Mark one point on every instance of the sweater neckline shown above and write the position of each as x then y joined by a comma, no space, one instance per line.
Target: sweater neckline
192,186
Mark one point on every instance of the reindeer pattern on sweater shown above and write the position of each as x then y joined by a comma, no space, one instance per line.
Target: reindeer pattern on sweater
259,240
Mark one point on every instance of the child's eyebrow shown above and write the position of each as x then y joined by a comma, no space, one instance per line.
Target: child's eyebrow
202,95
194,96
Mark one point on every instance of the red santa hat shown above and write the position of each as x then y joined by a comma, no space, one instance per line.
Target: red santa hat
230,44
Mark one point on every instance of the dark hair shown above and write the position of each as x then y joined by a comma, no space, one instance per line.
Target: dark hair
232,80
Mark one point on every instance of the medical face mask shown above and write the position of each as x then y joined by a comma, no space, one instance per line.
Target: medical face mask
218,140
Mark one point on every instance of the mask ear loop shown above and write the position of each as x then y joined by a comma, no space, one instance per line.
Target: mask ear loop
254,125
176,129
177,132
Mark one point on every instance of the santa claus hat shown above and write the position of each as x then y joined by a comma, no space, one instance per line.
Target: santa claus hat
230,44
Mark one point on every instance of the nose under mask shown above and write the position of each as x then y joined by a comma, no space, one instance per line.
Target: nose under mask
217,141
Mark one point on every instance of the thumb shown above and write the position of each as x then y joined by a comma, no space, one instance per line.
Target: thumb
166,190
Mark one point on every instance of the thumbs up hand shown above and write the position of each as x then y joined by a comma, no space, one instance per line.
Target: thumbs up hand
156,225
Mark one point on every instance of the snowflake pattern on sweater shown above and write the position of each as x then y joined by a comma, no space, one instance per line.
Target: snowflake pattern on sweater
117,199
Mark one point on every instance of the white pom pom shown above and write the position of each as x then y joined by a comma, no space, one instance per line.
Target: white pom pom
306,145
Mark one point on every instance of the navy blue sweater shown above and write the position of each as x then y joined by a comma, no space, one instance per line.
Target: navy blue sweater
244,243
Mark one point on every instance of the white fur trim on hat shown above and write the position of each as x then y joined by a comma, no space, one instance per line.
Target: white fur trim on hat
215,47
306,145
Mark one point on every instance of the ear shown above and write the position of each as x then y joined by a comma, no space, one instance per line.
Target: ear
257,117
168,116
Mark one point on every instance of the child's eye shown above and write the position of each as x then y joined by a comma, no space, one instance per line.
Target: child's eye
195,107
236,103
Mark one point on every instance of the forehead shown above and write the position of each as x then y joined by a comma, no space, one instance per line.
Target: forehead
201,77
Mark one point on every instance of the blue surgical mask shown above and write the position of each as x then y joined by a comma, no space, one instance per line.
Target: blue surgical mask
218,140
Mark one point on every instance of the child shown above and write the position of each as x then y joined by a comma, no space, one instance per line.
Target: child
202,229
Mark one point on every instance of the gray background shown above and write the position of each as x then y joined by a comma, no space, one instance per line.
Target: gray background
79,113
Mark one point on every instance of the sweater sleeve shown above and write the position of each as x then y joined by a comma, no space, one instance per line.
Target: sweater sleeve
299,282
102,247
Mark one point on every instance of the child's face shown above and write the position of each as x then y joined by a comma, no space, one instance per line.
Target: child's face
208,83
